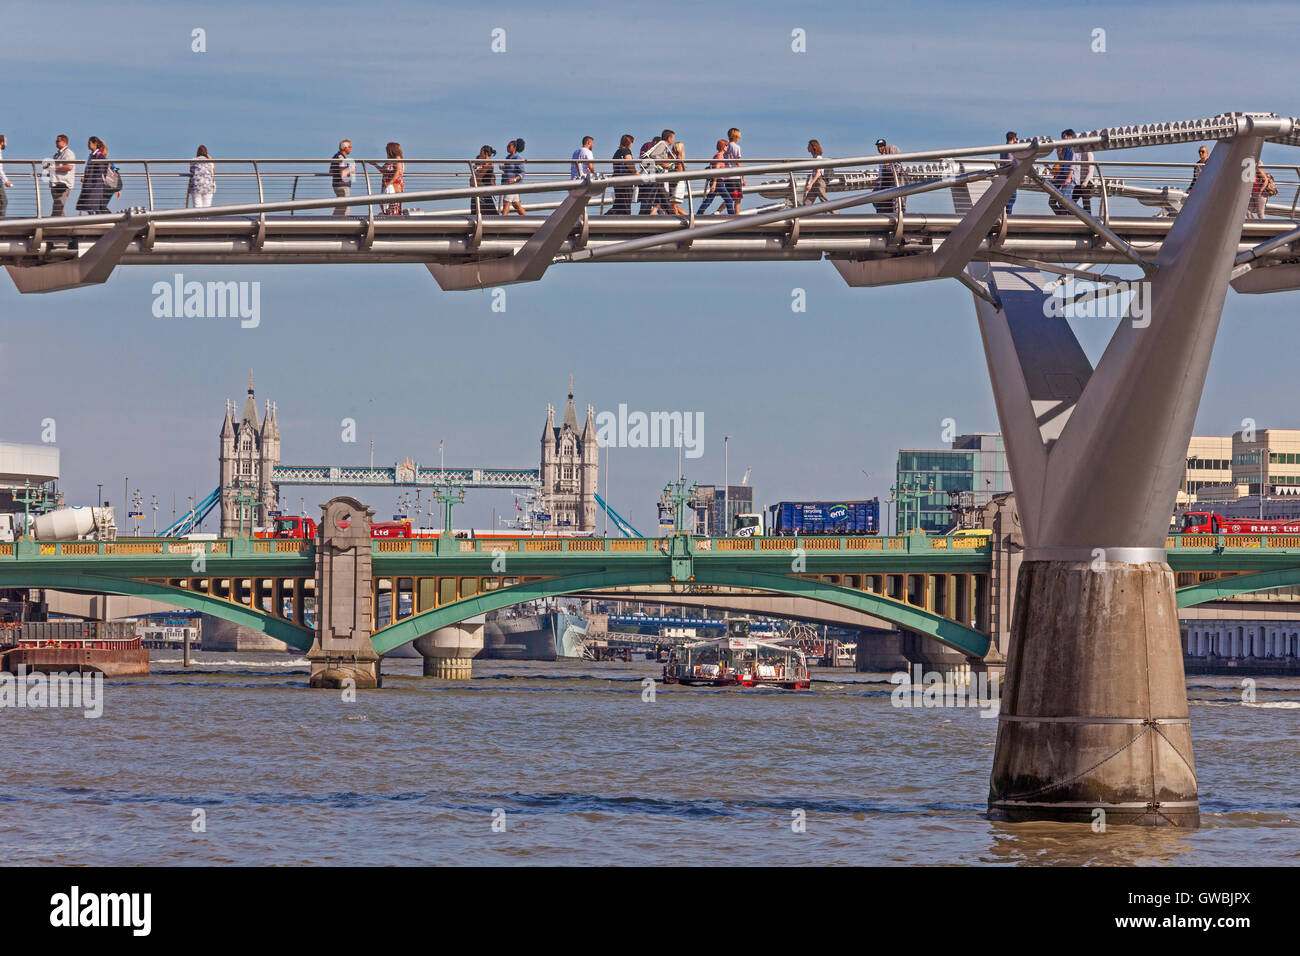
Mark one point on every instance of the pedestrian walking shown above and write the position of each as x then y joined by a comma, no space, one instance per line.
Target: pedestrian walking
484,175
1202,157
680,191
512,174
1260,190
736,183
392,178
623,166
1064,174
1008,157
657,157
891,175
60,167
94,190
583,164
341,172
718,188
815,188
4,180
203,180
1087,179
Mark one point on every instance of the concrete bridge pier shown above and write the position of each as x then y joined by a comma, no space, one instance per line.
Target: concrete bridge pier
1094,709
449,651
341,651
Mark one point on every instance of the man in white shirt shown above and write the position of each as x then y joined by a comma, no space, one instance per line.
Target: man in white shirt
582,165
61,174
733,160
1086,180
4,180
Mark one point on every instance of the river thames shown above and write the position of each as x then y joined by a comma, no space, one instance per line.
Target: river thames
568,763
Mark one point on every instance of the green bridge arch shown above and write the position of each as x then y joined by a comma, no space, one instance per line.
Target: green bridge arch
296,636
1222,588
953,634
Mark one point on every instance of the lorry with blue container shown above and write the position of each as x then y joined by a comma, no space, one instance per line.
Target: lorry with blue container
790,518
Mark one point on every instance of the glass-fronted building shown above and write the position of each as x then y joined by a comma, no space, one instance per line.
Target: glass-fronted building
707,507
975,464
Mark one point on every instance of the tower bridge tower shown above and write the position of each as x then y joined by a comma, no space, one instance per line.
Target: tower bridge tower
570,468
250,450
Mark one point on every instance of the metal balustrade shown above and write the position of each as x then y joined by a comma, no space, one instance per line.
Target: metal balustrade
1124,188
897,217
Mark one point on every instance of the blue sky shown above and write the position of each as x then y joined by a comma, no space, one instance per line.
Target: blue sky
811,400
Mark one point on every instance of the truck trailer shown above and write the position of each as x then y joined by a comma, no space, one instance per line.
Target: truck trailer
790,518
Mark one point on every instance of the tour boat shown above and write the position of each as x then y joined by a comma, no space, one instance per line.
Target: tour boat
738,660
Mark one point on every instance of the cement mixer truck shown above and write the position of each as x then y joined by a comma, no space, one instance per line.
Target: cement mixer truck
82,523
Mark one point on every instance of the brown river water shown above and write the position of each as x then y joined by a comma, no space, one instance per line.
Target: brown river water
568,763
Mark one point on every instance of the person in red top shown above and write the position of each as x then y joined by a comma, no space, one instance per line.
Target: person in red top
1258,198
717,188
393,180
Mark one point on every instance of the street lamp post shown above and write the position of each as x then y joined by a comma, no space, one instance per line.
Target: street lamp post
677,493
726,488
1264,456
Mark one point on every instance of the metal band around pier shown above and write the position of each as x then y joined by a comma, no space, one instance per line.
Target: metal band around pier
1108,555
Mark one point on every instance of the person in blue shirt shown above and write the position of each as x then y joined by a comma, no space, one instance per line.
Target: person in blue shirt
512,173
1065,174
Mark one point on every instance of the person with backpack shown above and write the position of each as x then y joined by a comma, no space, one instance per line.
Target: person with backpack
657,158
1263,187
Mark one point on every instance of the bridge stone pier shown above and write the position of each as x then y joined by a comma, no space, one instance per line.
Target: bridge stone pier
449,651
341,650
1094,708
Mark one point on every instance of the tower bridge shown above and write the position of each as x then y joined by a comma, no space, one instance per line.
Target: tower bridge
252,474
1094,712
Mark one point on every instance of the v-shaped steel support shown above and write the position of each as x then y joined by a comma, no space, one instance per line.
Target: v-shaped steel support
951,257
531,261
92,268
1096,455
